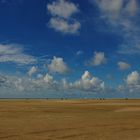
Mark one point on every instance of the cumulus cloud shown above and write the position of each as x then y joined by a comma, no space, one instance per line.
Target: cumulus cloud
14,84
32,70
62,8
11,85
63,26
132,83
14,53
45,82
98,59
121,16
123,65
19,84
48,79
89,83
133,78
62,20
58,65
65,85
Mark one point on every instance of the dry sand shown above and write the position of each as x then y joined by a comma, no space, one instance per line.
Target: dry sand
70,120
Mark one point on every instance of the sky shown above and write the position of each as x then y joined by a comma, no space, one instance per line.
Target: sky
69,49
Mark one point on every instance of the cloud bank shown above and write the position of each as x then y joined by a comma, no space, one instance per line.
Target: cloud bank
46,83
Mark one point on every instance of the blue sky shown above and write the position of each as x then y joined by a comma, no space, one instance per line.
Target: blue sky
69,48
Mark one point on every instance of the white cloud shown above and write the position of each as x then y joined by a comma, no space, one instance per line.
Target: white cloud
131,7
133,78
48,78
19,85
110,8
132,83
14,53
32,70
12,84
89,83
58,65
64,26
114,10
9,49
15,85
121,16
44,83
123,65
62,8
65,84
62,20
98,59
131,44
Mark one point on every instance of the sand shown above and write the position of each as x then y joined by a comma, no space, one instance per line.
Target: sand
70,120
